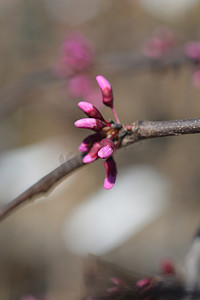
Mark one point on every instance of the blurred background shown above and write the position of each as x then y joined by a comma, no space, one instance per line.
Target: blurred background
153,210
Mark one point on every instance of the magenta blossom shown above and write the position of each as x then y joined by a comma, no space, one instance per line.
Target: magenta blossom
160,43
77,55
78,52
104,142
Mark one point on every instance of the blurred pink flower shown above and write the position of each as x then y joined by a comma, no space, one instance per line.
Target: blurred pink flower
78,52
77,55
160,43
79,86
192,50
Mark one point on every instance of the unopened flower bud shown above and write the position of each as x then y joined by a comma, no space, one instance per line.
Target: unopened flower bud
88,141
90,110
93,153
111,173
106,90
94,124
107,148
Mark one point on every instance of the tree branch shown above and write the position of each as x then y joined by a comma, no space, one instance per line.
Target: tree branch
150,129
140,130
44,185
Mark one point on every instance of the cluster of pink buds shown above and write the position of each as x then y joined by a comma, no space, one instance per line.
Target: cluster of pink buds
192,50
160,43
104,142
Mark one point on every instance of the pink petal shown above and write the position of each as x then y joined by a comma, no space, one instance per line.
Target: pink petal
90,110
92,155
143,282
111,173
88,158
105,152
94,124
88,141
106,90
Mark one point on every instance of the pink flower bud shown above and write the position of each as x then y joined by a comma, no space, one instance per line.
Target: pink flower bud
92,155
111,173
107,148
105,152
143,282
106,90
192,50
88,141
167,267
90,110
94,124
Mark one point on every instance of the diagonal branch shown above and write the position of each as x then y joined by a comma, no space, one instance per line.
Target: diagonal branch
140,130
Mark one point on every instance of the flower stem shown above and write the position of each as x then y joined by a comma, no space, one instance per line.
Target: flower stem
115,115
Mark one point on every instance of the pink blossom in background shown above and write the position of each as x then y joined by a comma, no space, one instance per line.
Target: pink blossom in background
79,86
78,52
192,50
77,55
160,43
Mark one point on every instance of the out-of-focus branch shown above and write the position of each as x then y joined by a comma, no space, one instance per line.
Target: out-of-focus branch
12,97
127,62
44,185
140,130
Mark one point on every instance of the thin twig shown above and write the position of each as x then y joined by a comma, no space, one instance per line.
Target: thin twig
12,96
140,130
